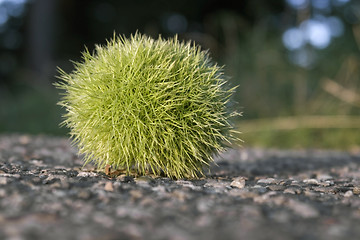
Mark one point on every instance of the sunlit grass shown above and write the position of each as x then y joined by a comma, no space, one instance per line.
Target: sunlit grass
325,132
301,138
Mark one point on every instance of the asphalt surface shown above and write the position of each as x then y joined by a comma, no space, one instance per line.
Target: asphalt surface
45,193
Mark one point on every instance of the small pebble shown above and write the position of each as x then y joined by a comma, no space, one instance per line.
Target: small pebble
324,177
136,194
238,182
356,190
348,194
2,192
302,209
326,183
3,180
179,195
83,194
188,184
267,181
124,178
24,139
311,181
87,174
290,190
143,179
109,187
323,189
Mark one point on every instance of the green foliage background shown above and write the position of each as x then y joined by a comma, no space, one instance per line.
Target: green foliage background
244,36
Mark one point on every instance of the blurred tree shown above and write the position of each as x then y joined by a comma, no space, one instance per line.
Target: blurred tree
40,45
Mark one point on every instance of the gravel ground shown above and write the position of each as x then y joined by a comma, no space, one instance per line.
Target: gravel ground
252,194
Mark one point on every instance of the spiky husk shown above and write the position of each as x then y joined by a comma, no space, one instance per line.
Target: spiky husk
143,104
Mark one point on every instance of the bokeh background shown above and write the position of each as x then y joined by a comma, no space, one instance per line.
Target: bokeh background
297,61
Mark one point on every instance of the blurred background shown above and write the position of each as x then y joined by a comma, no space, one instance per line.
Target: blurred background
297,61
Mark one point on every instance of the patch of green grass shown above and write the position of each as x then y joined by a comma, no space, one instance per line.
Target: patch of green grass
148,104
340,139
317,131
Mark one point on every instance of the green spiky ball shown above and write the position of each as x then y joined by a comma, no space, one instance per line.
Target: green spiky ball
147,105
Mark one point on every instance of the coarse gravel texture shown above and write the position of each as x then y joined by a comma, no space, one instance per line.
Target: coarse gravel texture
45,193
